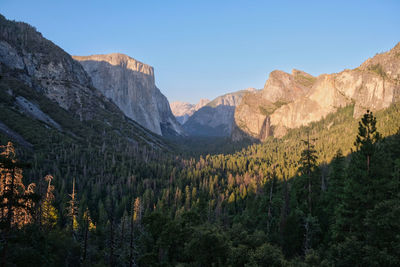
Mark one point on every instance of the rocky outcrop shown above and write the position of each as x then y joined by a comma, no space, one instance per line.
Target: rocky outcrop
183,110
289,101
285,87
130,85
216,118
252,116
34,111
42,82
42,65
374,85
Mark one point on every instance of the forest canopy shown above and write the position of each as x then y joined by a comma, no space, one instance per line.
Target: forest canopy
320,196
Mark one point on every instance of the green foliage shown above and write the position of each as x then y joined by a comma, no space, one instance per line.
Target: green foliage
49,214
304,80
266,255
33,247
377,68
249,207
207,247
367,133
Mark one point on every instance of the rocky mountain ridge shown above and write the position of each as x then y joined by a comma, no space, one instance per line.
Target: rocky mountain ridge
45,67
290,102
130,84
217,117
183,110
39,80
252,115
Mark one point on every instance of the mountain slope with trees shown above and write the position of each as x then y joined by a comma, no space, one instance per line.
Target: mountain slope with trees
281,202
83,185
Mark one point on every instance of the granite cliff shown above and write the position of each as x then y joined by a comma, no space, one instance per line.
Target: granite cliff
289,101
40,81
252,115
130,85
47,68
183,110
217,117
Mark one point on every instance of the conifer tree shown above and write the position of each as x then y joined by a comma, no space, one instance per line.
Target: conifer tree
15,199
136,216
308,163
365,186
367,136
16,202
73,209
48,212
87,227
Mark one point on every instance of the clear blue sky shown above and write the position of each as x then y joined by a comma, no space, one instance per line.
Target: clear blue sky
202,49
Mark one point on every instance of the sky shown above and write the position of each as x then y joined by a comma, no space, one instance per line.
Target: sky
203,49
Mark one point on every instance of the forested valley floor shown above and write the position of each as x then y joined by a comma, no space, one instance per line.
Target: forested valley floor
323,195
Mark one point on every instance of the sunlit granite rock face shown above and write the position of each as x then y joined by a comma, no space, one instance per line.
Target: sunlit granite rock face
252,115
130,85
183,110
293,100
374,85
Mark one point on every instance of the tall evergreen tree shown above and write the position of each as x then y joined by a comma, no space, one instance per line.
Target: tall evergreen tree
16,201
73,209
48,212
367,136
366,185
308,164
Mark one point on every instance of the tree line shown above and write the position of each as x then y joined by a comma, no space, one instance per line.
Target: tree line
274,204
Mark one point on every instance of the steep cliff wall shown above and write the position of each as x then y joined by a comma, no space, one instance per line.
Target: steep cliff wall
41,82
130,84
252,115
292,100
44,66
374,85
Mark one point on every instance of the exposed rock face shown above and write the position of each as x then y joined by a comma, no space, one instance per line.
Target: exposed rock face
130,84
374,85
34,111
44,66
252,115
290,101
285,87
216,118
183,110
48,80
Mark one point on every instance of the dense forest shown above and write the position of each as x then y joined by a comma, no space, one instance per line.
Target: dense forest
323,195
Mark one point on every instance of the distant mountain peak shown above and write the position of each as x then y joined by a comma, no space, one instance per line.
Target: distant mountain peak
183,110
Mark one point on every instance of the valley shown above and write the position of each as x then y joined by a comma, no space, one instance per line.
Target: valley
99,169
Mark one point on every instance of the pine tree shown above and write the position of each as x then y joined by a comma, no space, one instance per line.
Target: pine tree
365,186
15,199
136,217
87,227
73,209
308,164
16,202
367,136
48,212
